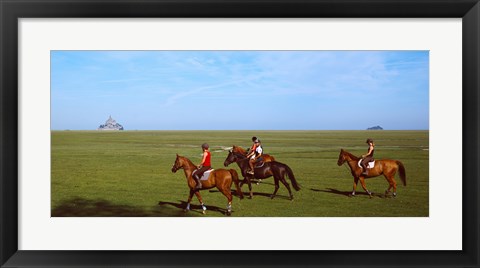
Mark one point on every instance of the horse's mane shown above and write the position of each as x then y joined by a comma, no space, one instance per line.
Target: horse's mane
353,157
188,160
238,149
239,155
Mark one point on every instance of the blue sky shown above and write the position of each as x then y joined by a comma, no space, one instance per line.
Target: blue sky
240,90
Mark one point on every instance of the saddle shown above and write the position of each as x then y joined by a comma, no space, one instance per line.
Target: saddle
205,175
370,164
259,163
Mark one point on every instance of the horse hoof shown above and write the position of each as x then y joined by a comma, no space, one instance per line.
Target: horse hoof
228,213
185,210
204,212
272,196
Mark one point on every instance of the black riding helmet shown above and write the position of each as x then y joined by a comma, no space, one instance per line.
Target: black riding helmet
369,140
254,139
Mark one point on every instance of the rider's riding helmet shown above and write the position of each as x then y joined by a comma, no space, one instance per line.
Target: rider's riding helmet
254,139
205,146
369,140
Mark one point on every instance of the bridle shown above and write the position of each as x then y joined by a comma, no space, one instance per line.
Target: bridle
237,159
174,167
344,160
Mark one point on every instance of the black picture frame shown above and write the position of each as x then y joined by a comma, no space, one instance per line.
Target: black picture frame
12,10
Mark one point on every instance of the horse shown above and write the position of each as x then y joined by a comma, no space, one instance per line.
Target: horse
266,157
220,178
276,169
385,167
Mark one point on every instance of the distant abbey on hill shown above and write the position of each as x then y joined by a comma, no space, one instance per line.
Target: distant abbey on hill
375,128
111,124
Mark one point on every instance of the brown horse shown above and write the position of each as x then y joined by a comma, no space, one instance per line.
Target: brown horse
385,167
266,157
276,169
220,178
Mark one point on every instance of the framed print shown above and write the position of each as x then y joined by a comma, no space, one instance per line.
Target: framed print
135,73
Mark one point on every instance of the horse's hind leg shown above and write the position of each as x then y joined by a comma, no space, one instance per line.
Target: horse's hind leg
282,179
228,194
276,187
199,197
392,184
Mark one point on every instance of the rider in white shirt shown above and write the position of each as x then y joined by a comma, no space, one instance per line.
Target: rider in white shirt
254,155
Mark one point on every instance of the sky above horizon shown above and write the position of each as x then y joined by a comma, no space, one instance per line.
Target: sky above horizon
240,90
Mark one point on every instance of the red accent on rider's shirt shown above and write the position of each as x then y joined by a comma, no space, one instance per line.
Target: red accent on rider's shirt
207,162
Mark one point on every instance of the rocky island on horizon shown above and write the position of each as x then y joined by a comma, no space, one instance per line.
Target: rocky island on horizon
110,124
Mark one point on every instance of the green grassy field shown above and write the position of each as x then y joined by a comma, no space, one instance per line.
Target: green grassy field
128,173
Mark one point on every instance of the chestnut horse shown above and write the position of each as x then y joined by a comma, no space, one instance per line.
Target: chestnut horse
385,167
276,169
266,157
220,178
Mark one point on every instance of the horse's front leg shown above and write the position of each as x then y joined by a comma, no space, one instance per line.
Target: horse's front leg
364,186
249,186
355,182
199,197
242,182
190,196
229,208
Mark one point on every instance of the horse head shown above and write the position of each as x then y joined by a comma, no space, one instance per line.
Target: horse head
341,157
230,158
346,156
178,164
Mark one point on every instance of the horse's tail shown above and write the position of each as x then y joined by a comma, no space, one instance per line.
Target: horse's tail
401,170
292,178
236,181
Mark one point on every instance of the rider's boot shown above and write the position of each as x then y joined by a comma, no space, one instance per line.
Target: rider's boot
250,171
199,184
365,170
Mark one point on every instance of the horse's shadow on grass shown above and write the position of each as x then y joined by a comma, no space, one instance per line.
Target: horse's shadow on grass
345,193
80,207
256,182
193,208
247,194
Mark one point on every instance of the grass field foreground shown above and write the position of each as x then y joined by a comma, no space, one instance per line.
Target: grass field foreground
128,173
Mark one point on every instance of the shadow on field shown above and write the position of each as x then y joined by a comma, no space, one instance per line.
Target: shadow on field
345,193
79,207
193,208
246,194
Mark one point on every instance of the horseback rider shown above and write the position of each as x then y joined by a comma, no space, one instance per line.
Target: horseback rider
254,154
205,165
366,158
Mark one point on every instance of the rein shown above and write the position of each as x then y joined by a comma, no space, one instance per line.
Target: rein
187,164
348,161
238,158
